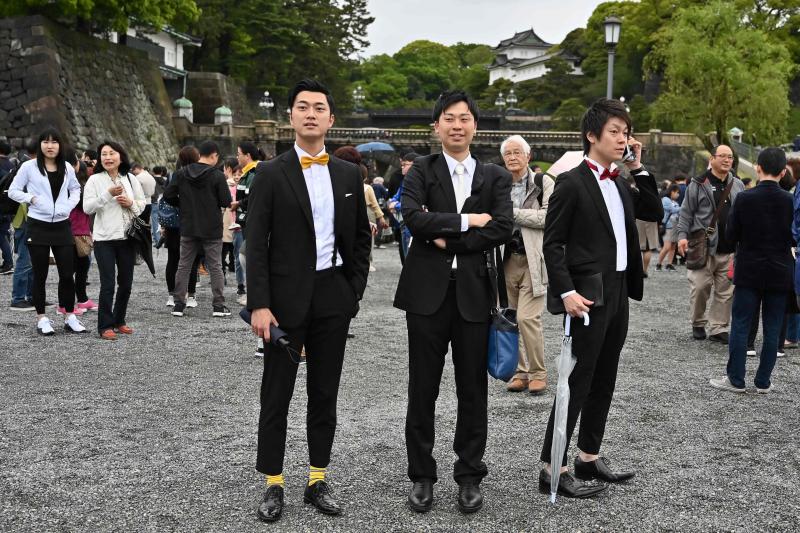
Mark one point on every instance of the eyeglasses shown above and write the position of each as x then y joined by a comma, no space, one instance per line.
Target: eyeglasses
725,156
515,153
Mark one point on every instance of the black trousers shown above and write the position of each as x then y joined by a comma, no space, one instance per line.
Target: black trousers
82,265
114,258
40,262
428,337
592,382
172,241
323,334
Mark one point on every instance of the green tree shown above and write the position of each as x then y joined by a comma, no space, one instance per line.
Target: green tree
429,67
568,115
721,73
95,16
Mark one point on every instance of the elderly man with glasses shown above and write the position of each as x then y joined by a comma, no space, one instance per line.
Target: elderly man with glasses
526,275
703,195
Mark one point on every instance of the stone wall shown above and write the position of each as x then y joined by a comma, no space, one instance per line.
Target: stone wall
210,90
88,88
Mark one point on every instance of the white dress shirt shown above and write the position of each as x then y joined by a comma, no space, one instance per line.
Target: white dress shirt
320,192
616,212
462,186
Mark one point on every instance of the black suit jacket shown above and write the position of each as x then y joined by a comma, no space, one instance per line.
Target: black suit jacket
760,224
429,211
578,236
281,242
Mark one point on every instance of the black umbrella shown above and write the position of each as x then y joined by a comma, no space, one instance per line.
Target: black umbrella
142,238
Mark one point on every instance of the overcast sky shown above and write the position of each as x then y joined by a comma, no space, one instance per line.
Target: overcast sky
398,22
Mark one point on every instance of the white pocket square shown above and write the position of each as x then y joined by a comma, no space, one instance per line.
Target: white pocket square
348,195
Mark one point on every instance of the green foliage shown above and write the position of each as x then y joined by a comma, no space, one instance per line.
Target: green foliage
568,115
104,15
722,73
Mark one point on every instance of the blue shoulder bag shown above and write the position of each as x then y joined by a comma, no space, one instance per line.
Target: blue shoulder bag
503,329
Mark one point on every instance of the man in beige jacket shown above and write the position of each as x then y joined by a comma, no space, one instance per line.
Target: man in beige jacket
526,276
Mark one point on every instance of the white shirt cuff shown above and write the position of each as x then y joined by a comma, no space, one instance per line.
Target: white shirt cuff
567,294
464,223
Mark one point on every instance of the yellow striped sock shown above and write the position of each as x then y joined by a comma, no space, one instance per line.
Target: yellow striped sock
275,480
316,474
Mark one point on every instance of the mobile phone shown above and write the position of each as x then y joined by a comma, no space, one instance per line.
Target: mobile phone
629,154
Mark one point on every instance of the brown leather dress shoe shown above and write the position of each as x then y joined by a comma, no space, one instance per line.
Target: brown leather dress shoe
537,386
127,330
108,335
517,385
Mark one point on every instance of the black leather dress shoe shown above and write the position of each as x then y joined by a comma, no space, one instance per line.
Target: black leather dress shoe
699,333
569,487
599,469
420,499
470,499
319,495
271,508
721,338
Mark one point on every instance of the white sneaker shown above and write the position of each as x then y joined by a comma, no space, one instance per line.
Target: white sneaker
764,391
241,299
781,354
73,325
44,326
751,353
171,301
725,384
372,268
191,302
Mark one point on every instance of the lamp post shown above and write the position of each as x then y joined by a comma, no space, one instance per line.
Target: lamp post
266,104
511,99
358,99
612,26
500,102
622,101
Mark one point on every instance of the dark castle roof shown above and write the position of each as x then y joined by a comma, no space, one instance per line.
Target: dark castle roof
524,38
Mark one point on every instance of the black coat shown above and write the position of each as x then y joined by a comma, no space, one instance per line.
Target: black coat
578,236
760,224
201,192
429,211
281,243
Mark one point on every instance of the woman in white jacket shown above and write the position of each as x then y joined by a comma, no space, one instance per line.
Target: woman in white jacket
49,187
115,197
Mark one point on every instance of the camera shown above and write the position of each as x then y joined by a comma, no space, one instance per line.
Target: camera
516,245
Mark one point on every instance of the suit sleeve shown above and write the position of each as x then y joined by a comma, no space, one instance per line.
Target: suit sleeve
363,241
647,204
258,229
498,230
561,210
426,225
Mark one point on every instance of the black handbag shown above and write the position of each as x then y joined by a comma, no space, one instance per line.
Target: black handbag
503,330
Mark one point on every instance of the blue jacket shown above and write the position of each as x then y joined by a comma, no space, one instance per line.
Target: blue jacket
30,182
672,211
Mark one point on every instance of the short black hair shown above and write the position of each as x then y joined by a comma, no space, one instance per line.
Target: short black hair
673,188
135,165
160,170
596,117
231,163
313,86
124,160
714,149
448,98
772,161
410,156
208,148
91,154
5,148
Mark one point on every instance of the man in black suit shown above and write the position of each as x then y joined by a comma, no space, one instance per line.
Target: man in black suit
760,228
591,250
308,244
456,208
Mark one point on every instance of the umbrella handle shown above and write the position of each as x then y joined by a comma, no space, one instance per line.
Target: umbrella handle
567,323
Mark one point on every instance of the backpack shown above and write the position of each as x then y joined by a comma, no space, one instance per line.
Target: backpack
168,214
7,205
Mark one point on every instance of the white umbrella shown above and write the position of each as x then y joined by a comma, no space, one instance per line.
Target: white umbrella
565,364
566,162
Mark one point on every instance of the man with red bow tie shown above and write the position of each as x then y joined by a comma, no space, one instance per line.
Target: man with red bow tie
591,250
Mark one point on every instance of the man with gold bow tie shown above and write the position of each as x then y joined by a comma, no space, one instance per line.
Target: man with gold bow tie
308,244
591,251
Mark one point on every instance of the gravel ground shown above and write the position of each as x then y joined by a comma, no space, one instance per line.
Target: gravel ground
157,432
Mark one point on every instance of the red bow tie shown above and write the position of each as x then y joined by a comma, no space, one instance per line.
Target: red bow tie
606,173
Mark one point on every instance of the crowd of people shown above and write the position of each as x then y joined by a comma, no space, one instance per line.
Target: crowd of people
298,231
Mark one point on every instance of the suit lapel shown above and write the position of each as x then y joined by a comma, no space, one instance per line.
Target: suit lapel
590,182
293,171
443,174
477,185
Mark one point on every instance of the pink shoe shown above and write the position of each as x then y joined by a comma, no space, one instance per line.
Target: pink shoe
78,311
88,305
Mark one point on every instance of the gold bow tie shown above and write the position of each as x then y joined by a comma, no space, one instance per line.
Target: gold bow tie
306,161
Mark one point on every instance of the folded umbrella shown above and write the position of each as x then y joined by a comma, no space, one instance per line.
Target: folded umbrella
566,162
565,365
139,232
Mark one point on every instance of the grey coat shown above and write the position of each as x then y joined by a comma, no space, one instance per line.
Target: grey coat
530,218
698,208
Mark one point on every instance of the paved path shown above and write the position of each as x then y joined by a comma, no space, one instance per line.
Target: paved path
157,432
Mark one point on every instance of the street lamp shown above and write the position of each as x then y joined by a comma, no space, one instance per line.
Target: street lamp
511,99
612,26
500,102
358,99
266,103
622,101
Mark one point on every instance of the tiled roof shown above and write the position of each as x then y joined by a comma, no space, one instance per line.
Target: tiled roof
524,38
